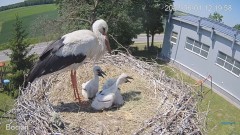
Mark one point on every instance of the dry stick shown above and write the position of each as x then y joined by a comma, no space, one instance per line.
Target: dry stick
119,43
174,116
89,132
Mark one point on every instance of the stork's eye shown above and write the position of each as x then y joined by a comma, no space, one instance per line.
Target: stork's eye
104,29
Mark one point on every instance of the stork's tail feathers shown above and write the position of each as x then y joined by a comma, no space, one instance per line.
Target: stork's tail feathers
33,74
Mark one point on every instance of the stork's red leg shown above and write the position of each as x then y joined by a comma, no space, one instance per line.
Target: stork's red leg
73,84
76,89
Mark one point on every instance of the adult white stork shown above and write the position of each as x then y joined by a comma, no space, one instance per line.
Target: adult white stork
70,51
90,88
105,98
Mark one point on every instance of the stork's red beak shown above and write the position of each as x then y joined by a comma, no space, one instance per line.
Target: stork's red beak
107,42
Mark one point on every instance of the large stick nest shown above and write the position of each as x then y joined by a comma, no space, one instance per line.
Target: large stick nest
154,103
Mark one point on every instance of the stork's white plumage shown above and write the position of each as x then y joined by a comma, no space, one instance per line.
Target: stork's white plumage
90,88
105,98
70,51
118,100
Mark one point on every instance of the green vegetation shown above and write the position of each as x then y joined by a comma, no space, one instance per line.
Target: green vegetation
19,64
142,46
28,15
216,16
126,19
153,15
237,26
121,16
6,103
20,61
221,111
140,50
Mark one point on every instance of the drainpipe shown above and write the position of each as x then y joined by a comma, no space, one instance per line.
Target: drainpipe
198,27
234,39
168,30
212,33
170,16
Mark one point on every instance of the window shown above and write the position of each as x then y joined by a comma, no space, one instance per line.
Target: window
228,63
197,47
174,37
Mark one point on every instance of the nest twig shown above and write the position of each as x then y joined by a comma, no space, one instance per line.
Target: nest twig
177,112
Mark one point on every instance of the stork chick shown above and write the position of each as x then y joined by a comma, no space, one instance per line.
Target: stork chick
90,88
105,98
118,100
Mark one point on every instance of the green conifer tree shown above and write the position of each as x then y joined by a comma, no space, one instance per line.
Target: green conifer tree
20,61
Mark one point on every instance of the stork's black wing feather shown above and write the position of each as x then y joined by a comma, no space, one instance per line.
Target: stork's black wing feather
52,48
49,62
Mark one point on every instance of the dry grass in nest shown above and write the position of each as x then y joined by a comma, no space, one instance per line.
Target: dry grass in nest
139,103
154,103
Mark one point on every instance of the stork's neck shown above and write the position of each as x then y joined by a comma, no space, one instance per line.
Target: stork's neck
118,83
98,34
100,37
96,77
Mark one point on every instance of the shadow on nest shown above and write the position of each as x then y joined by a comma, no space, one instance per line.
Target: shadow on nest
76,107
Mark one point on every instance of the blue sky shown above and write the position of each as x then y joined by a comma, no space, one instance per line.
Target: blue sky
230,9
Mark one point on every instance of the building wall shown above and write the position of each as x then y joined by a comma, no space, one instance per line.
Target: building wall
224,81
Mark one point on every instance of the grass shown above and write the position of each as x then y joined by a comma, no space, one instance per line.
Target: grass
223,117
141,46
27,14
139,50
6,103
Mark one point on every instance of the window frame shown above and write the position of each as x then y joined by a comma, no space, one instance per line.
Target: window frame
225,61
193,46
172,36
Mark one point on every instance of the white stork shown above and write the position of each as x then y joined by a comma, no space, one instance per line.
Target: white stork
90,88
118,100
105,98
70,51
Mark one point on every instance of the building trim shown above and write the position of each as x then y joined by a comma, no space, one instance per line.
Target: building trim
195,53
225,69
